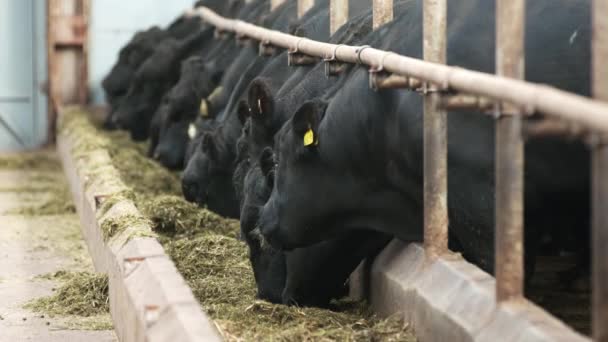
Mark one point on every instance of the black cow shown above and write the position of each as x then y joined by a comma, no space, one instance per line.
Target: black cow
160,72
130,57
180,104
207,178
135,52
173,135
356,161
293,277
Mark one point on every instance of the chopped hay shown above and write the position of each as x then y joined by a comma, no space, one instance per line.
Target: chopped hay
172,215
59,204
206,251
82,294
43,171
113,226
39,160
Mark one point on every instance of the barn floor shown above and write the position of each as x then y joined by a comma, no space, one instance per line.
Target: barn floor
34,245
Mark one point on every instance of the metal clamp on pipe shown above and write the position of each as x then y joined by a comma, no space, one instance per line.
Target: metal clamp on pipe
553,128
266,48
295,57
242,40
334,67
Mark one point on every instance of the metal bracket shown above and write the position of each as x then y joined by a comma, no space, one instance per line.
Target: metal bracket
266,48
242,40
220,34
332,66
295,57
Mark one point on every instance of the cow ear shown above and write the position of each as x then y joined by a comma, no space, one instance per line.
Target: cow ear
260,100
243,112
208,145
306,120
267,164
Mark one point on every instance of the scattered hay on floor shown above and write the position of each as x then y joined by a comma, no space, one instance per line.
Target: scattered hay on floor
59,203
28,161
81,295
42,170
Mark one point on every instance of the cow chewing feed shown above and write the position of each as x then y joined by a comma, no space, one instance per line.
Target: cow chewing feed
366,170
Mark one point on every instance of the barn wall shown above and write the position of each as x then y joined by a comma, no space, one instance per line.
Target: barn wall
113,23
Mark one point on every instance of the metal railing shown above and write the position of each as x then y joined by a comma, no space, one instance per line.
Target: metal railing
505,95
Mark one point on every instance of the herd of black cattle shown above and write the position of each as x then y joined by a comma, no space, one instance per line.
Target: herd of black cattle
323,171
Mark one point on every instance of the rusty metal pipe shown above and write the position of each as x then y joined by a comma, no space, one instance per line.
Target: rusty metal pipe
338,15
384,80
541,98
304,6
466,102
547,128
275,3
435,135
509,205
383,12
599,187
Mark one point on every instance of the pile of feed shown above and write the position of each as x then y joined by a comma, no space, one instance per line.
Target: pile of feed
206,251
82,294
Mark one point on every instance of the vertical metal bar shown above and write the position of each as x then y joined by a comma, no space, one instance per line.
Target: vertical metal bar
383,12
338,14
304,6
275,3
435,134
599,187
509,205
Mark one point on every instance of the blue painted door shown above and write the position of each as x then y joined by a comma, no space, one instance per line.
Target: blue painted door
22,69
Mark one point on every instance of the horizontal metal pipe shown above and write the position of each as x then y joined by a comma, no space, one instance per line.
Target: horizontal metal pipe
529,96
553,128
467,102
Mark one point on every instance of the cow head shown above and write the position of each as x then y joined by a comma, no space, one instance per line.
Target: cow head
207,179
176,117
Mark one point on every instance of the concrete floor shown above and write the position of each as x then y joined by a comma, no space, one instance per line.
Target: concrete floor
31,246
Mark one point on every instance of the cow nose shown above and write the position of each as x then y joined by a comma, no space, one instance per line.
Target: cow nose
190,190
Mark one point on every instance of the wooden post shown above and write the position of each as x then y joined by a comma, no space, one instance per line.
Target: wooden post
67,54
509,205
435,134
304,6
599,186
383,12
338,15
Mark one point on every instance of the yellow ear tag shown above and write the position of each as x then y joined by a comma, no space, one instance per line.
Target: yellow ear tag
216,92
191,131
203,110
309,137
